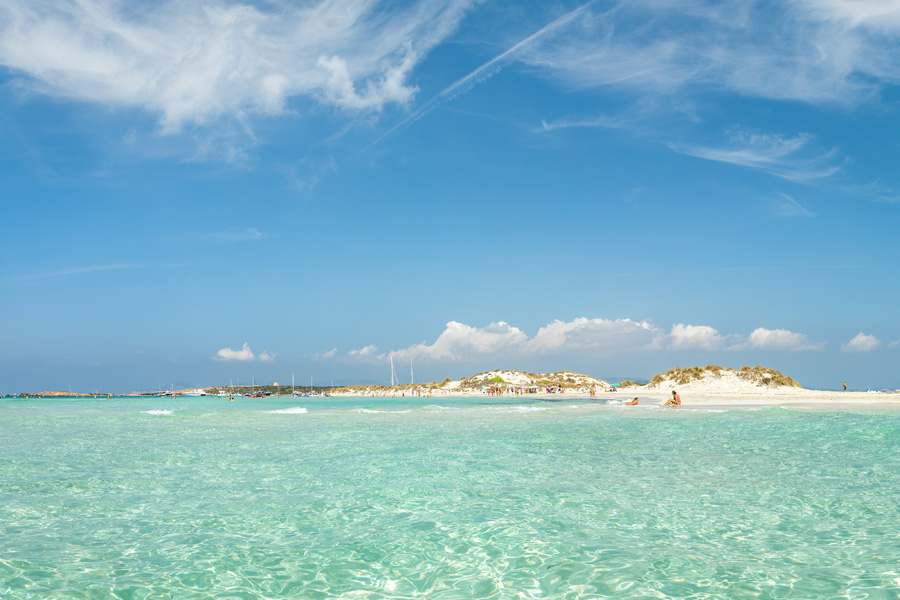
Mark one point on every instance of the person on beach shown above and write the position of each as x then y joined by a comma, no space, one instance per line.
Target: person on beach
675,400
632,403
845,386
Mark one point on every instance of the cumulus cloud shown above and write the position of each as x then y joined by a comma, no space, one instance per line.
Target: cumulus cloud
243,355
596,335
325,355
460,342
861,343
695,337
366,352
584,336
192,62
777,339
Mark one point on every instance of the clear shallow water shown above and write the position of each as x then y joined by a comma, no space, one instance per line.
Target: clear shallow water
444,498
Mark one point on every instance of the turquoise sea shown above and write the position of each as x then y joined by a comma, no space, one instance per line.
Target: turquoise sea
444,498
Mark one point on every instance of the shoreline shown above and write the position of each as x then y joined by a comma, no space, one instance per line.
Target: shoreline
705,399
792,398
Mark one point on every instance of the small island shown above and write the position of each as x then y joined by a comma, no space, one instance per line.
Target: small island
700,387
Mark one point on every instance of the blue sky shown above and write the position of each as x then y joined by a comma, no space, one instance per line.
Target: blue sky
202,192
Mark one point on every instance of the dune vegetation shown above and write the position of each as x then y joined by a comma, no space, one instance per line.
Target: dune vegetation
759,375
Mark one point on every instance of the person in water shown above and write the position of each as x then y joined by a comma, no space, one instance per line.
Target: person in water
675,400
632,403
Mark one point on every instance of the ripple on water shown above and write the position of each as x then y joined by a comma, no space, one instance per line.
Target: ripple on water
451,504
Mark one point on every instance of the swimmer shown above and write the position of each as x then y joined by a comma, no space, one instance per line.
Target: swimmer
632,403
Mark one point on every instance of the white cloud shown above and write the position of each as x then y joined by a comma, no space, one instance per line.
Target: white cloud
75,271
596,335
193,62
789,158
461,342
787,206
244,354
674,62
233,234
877,15
695,337
603,122
861,343
366,352
590,337
326,355
777,339
487,70
816,51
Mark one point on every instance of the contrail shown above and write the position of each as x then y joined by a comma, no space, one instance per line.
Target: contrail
485,71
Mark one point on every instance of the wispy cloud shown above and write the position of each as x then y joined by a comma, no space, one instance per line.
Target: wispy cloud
604,122
193,63
796,158
786,157
488,69
76,271
87,270
233,234
681,66
815,51
877,15
594,337
876,190
787,206
862,343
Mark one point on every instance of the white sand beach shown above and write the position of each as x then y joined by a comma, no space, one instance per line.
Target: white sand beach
728,388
